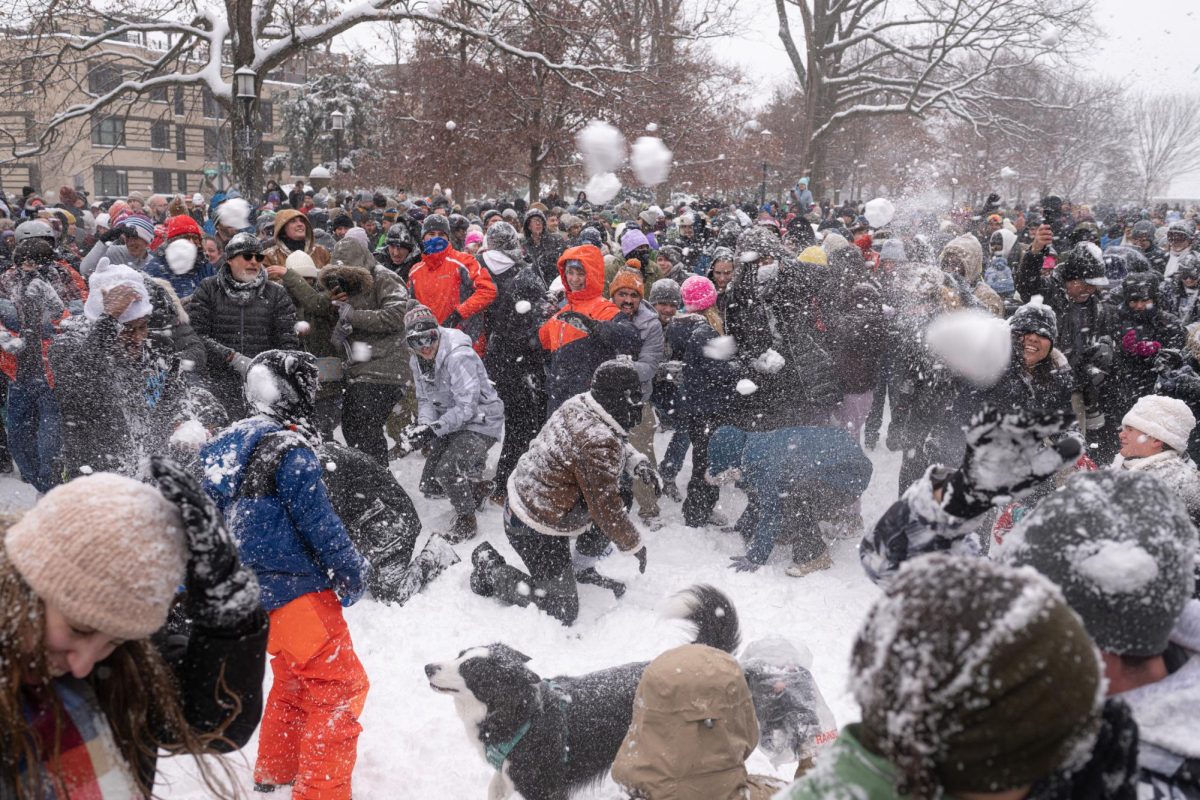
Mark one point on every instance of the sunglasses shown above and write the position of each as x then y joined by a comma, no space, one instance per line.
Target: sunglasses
423,339
259,257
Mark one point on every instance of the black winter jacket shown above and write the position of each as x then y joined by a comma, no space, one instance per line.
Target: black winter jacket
515,357
235,318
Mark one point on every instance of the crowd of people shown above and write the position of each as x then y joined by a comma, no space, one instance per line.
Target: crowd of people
237,373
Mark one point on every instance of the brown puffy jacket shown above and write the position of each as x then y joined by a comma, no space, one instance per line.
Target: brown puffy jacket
277,256
693,729
568,478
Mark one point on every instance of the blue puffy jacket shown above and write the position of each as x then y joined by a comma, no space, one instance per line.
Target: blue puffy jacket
185,284
290,535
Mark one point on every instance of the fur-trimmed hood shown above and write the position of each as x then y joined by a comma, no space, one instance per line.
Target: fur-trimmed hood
357,280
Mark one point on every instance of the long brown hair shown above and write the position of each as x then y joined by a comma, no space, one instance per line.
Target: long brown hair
134,686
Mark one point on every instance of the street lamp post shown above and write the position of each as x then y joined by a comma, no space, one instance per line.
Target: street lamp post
762,199
338,121
243,85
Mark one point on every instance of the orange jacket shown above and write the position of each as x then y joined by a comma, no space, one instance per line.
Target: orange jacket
451,281
588,301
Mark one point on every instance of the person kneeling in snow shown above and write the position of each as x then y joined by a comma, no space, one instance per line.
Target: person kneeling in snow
796,478
458,413
266,479
566,483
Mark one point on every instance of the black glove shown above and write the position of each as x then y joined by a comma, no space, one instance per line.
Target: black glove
1006,457
221,591
1168,360
414,437
113,234
578,321
640,555
452,320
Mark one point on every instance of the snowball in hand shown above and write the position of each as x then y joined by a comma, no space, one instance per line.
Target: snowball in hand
879,212
974,344
522,306
602,188
746,386
602,147
651,160
181,256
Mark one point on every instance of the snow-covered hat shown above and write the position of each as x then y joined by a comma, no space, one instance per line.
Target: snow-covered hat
1121,547
1165,418
108,275
1035,317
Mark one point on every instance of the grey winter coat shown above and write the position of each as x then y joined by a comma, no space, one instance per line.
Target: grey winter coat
376,318
650,331
457,396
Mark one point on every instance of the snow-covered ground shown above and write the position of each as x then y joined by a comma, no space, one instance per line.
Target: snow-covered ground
413,744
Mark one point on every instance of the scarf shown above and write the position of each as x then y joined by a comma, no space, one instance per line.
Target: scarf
242,293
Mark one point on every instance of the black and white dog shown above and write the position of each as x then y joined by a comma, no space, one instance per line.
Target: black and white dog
549,738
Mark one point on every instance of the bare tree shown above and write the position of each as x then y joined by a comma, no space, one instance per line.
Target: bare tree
1166,140
203,46
857,58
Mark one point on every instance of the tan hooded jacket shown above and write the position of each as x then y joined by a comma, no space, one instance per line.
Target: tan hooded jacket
693,729
277,256
966,250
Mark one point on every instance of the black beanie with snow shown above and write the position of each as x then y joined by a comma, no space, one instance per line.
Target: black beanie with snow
618,389
1035,317
1121,547
282,384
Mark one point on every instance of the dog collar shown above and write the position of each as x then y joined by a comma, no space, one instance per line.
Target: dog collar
497,753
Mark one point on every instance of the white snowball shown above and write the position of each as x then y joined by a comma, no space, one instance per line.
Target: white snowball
191,432
301,328
181,256
523,306
602,188
602,147
1050,37
879,212
360,351
451,124
651,127
651,160
972,343
721,348
746,386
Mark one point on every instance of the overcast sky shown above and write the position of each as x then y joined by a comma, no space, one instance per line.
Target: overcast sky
1144,44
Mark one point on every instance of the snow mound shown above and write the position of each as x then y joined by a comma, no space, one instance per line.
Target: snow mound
973,344
879,212
722,348
522,306
769,362
651,160
1116,567
602,188
746,386
602,147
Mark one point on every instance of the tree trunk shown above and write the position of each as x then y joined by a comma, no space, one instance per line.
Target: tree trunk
535,173
246,144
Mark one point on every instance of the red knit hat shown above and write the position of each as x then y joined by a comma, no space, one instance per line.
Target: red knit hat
182,225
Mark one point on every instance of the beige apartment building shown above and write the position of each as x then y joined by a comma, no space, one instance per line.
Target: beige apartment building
174,141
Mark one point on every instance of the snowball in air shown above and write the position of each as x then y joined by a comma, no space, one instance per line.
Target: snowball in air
602,188
879,212
972,343
302,328
451,124
602,147
190,432
1050,37
1007,172
746,386
522,306
651,160
360,352
651,127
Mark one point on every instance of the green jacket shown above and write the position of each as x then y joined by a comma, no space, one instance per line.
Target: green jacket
848,771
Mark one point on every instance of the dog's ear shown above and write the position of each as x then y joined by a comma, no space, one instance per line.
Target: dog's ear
503,652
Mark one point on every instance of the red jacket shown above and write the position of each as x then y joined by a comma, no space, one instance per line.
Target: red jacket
588,301
453,281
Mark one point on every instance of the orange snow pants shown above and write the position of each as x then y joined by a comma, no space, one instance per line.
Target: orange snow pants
309,732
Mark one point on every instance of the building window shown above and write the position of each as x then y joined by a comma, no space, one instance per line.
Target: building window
163,180
103,78
268,149
180,143
109,131
179,107
181,182
212,145
160,135
27,84
111,182
211,109
158,94
266,111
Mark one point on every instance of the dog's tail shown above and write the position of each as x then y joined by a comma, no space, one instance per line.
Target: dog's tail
711,612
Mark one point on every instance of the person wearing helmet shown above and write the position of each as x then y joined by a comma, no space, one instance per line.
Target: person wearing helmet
66,282
239,314
399,252
182,262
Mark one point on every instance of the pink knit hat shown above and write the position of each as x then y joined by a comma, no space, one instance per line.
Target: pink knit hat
698,293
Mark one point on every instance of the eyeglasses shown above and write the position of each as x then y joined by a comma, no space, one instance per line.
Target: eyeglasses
422,339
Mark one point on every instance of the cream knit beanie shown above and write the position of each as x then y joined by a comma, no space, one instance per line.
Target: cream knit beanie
105,550
1165,418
